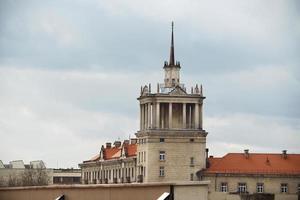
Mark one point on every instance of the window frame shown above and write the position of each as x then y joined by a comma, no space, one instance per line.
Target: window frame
242,187
260,188
161,171
192,177
224,187
192,161
284,188
162,155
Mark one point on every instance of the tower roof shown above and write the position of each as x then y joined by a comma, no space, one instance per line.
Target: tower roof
172,62
172,57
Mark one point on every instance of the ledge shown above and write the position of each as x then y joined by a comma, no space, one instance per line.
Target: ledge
124,185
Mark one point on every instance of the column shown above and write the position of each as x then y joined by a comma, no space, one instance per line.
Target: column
170,115
196,115
146,116
157,115
149,115
184,115
153,122
200,116
142,117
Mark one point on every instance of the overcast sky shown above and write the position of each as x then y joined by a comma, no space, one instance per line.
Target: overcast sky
71,70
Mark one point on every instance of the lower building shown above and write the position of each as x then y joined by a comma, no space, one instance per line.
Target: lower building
16,173
66,176
234,176
114,164
253,176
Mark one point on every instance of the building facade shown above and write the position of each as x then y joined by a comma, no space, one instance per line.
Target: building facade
16,173
171,138
170,146
253,176
113,164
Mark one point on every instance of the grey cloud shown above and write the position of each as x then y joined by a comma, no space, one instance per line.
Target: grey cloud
71,69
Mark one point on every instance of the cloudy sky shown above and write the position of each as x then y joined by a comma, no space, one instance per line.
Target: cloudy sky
71,70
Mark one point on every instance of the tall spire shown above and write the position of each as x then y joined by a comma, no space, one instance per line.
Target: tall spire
172,57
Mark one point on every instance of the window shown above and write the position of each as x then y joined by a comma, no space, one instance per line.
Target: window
284,188
173,80
192,161
144,156
223,187
132,172
192,140
242,188
142,153
139,157
260,188
191,177
162,155
299,188
161,139
161,171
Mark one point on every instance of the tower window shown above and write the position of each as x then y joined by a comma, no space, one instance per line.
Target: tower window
162,155
284,188
260,188
161,171
161,139
192,161
191,176
224,187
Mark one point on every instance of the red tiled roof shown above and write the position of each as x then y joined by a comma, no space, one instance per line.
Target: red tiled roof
115,152
131,150
256,163
110,153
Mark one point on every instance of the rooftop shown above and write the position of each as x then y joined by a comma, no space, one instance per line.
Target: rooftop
255,163
118,151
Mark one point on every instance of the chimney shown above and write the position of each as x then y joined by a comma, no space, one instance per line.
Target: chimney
133,140
207,161
246,152
284,154
117,143
108,145
206,152
126,142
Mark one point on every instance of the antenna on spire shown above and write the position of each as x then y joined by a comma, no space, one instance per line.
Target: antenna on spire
172,57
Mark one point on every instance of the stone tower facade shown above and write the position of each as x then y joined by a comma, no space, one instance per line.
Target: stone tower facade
171,139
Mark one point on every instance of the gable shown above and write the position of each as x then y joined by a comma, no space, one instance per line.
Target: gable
177,91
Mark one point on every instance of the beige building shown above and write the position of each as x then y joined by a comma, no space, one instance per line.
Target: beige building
255,175
170,147
113,164
171,138
16,173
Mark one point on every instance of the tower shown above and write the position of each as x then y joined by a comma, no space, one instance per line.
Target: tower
171,139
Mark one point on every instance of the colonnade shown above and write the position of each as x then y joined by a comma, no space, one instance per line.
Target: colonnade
160,115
